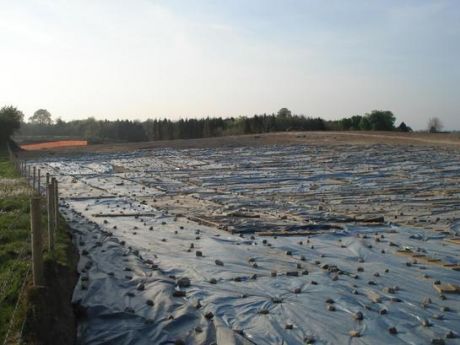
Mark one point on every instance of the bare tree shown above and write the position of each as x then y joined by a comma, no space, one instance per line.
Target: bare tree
434,125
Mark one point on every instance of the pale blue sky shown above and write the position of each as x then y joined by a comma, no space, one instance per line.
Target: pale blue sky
138,59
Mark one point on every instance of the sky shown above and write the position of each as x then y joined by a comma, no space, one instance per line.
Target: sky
144,59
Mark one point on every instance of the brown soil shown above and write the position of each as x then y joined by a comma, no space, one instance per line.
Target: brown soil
54,144
451,140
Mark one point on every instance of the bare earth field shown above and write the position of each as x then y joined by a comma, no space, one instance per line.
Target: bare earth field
292,238
327,138
54,145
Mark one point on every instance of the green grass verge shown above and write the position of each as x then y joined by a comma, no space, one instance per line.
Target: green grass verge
6,168
15,253
14,249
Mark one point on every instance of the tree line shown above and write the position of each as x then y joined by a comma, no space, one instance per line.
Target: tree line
41,125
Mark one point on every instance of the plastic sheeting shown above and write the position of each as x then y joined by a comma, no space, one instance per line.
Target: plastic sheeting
261,290
118,312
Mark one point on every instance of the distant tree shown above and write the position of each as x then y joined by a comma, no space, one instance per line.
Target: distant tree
345,124
404,128
10,121
365,124
284,112
165,129
41,117
434,125
59,122
91,129
356,122
381,120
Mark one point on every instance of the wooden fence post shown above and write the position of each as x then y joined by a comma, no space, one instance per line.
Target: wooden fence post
50,208
10,152
37,259
34,177
56,205
47,182
39,177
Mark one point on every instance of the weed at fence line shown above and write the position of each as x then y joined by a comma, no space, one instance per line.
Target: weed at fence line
14,250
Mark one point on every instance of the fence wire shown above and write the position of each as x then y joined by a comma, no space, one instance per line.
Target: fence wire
6,283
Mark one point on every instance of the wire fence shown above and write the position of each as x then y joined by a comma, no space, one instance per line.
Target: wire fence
34,267
13,315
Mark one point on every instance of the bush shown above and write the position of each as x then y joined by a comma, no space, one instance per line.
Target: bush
10,121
